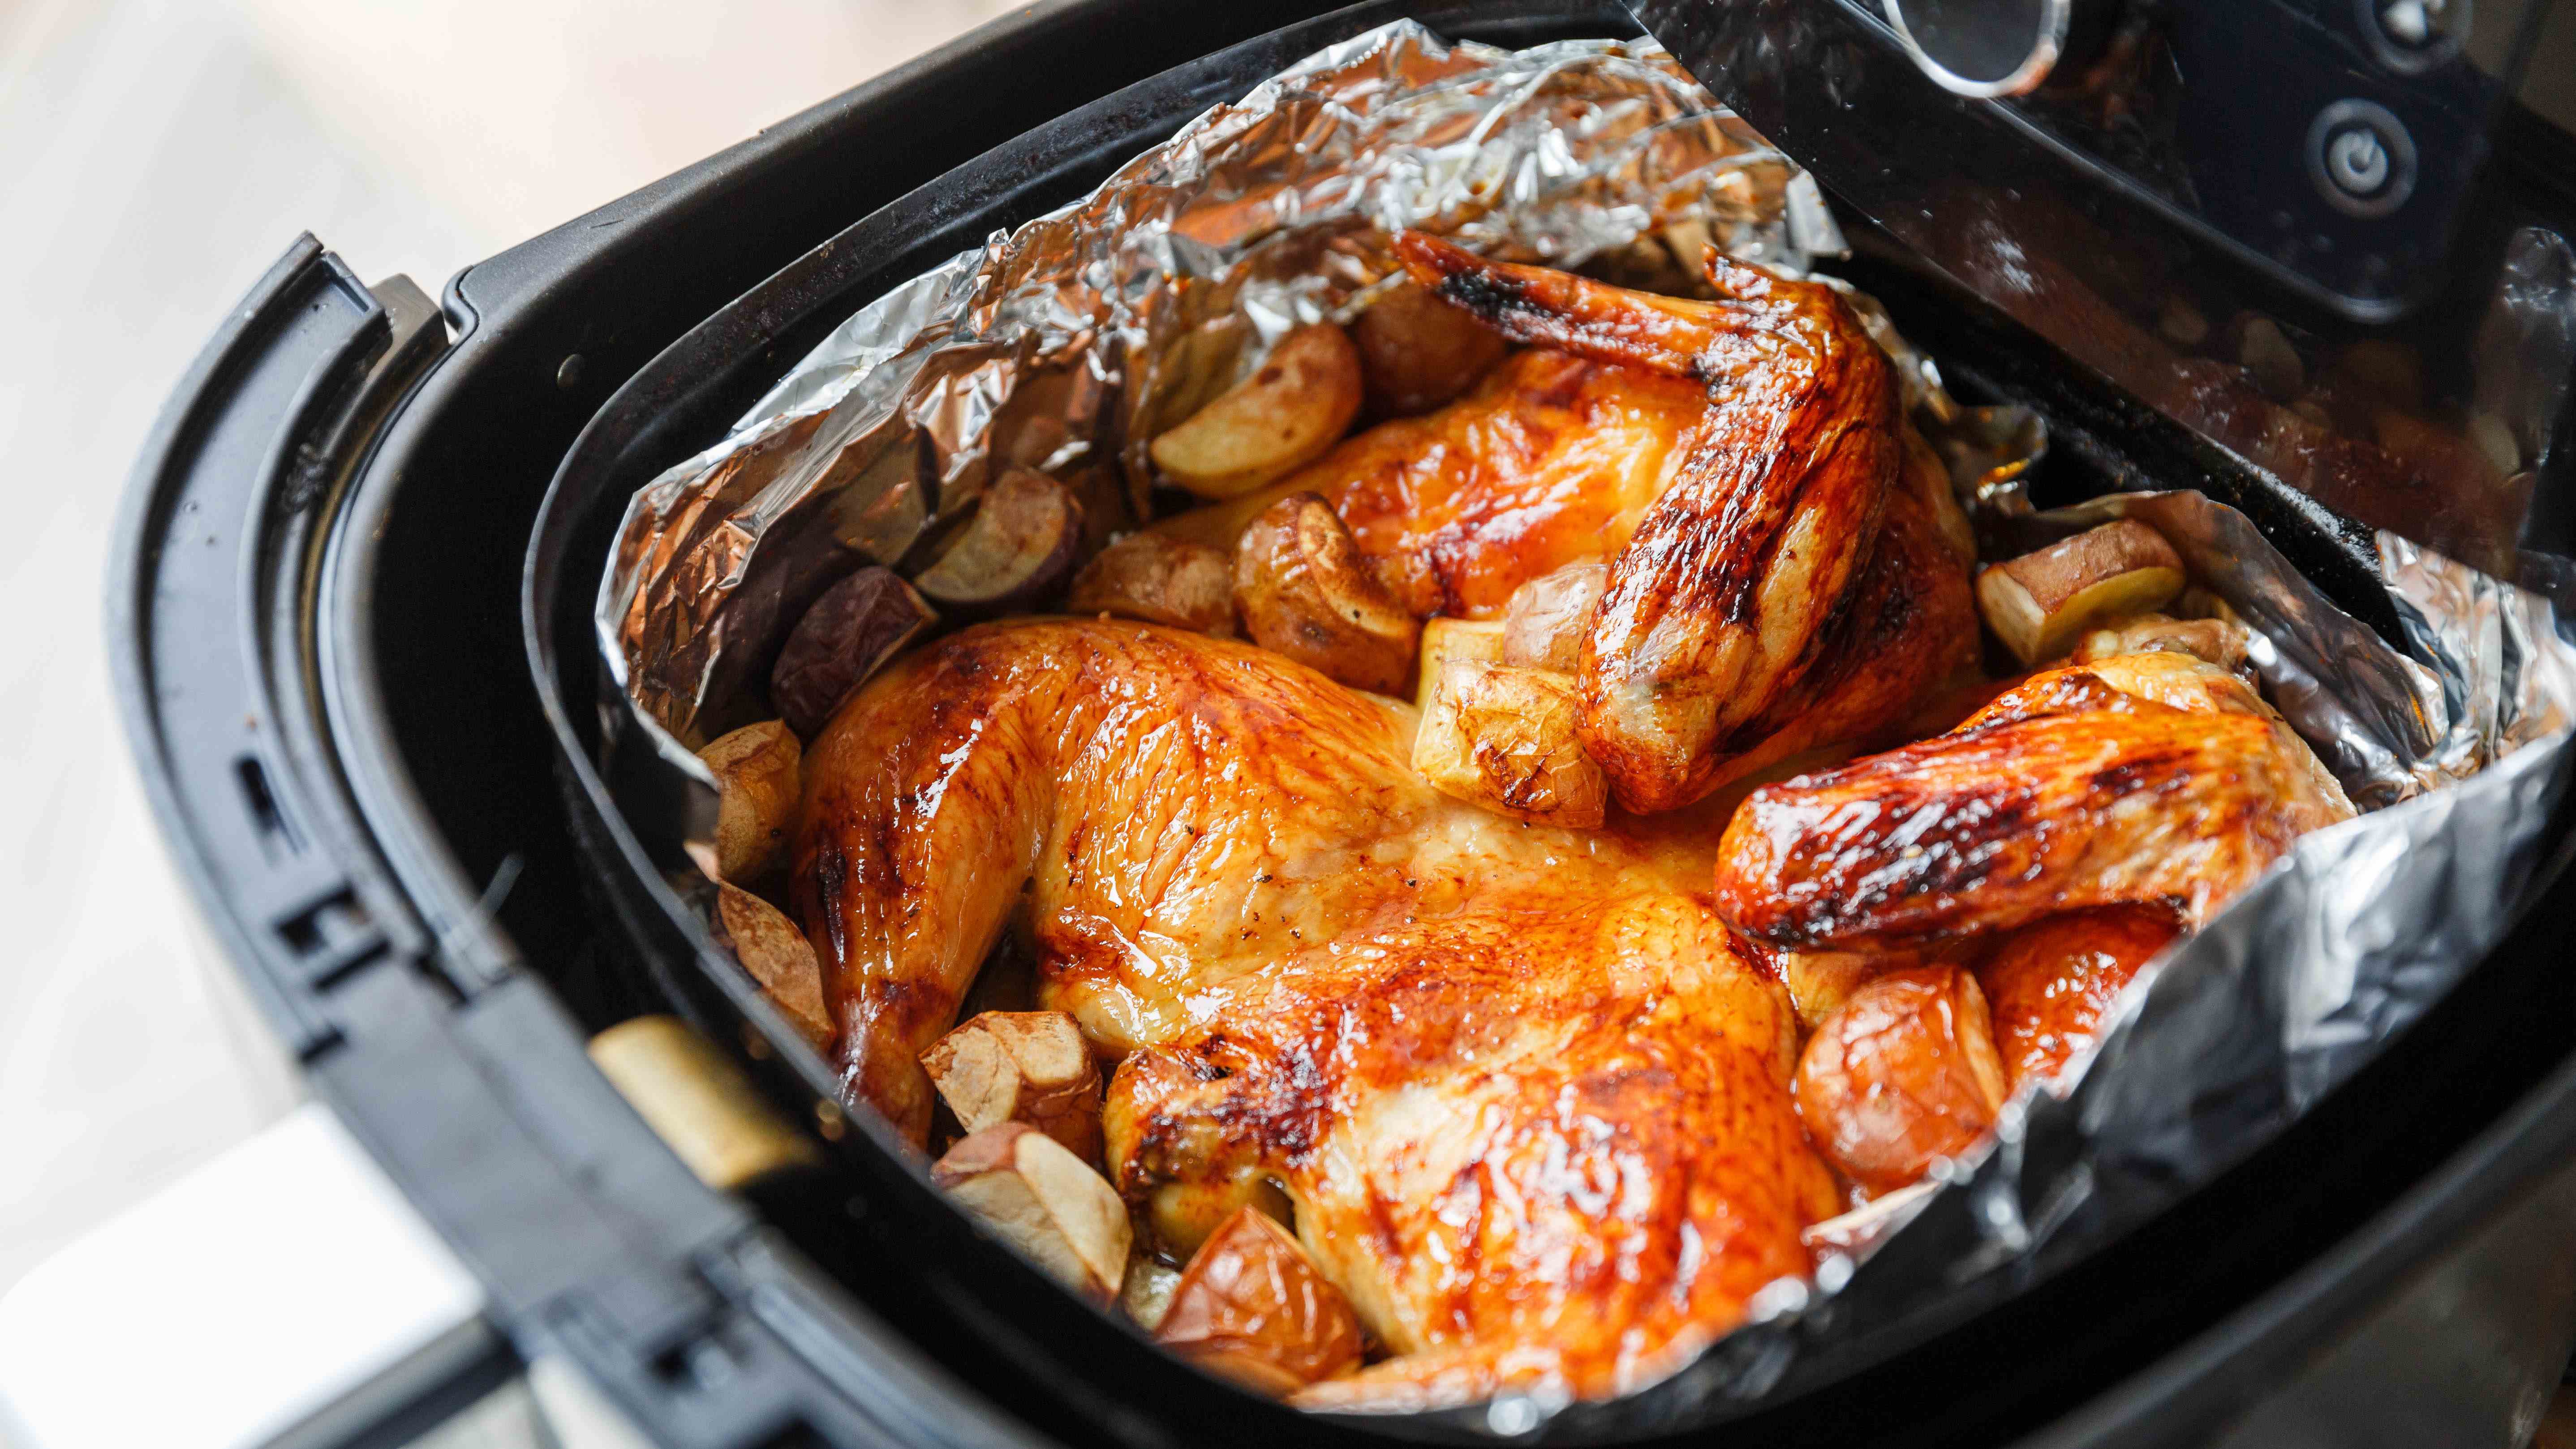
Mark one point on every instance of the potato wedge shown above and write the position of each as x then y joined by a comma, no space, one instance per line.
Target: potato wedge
1544,624
1417,352
1477,641
1305,590
1251,1308
1161,580
1298,403
756,790
1016,549
1044,1201
1021,1066
778,957
1905,1072
2040,603
1502,737
858,624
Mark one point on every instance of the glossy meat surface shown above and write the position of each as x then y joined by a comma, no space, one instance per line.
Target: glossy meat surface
2067,792
1721,601
1530,1104
2049,984
1551,460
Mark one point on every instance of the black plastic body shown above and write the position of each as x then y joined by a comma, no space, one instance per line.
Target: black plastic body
2214,119
406,849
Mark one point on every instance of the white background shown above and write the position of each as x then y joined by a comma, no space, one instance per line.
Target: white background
155,157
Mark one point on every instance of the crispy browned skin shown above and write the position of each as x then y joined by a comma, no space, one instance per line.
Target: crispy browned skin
1531,1106
2066,792
2048,984
1550,460
1718,603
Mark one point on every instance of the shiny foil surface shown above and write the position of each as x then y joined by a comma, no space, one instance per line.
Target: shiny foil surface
1067,344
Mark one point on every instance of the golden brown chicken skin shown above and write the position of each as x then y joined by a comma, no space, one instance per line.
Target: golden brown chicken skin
2068,791
2050,984
1552,459
1531,1106
1719,603
1791,581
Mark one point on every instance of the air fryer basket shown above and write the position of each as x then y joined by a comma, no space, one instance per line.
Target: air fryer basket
1078,1375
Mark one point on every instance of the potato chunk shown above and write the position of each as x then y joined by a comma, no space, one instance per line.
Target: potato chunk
1305,590
2040,603
1544,624
1017,548
1251,1308
1021,1066
1296,405
756,790
1906,1071
778,957
1503,737
858,624
1161,580
1417,352
1476,640
1044,1201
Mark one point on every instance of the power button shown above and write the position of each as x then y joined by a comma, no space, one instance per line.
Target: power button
2361,158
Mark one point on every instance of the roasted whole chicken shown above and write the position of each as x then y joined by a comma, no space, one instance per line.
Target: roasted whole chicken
1545,1105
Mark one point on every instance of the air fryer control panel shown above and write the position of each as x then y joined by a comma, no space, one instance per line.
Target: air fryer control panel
2332,142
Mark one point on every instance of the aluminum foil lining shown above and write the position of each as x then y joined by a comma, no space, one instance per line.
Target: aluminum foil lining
1067,343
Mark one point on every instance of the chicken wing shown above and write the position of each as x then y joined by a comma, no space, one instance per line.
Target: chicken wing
2066,792
1529,1103
1720,603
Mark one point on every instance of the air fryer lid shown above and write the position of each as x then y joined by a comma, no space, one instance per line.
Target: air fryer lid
1699,1404
2269,220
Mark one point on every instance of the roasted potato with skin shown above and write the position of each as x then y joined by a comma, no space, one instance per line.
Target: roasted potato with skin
1044,1201
1478,641
1296,405
2042,602
1544,624
1018,546
858,624
1503,737
1305,590
1021,1066
1251,1308
756,790
2049,983
778,957
1161,580
1905,1072
1417,352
